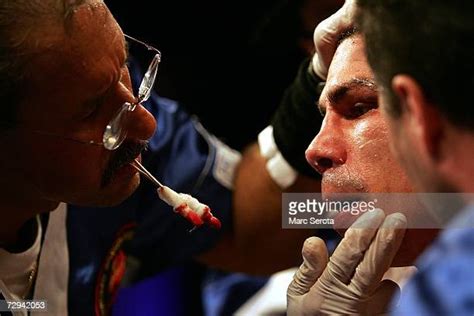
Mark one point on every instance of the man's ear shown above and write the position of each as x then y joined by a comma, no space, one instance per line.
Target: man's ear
423,119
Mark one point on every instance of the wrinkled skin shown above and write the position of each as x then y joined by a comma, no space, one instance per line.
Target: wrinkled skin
352,149
77,80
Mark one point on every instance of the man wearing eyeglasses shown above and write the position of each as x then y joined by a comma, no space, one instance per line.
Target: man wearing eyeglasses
70,126
65,138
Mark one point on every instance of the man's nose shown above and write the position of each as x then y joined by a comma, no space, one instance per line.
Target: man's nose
327,150
142,124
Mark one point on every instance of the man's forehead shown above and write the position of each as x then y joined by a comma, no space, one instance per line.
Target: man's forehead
349,58
93,25
349,69
96,43
85,61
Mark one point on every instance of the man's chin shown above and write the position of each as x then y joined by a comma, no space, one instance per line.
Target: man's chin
112,194
118,191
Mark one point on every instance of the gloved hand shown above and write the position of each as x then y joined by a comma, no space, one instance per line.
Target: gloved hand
327,34
351,282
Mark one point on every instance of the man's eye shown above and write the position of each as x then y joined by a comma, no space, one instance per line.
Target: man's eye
360,109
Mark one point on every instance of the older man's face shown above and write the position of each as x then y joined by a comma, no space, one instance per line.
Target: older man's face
76,85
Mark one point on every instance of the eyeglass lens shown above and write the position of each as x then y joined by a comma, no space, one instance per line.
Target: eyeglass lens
116,130
144,91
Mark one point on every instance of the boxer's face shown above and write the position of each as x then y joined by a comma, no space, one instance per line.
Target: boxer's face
352,150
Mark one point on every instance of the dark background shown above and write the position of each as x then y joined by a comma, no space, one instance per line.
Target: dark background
227,62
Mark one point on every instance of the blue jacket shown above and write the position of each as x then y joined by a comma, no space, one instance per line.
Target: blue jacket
444,284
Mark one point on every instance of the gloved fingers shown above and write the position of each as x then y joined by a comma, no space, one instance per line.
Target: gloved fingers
319,68
382,298
356,241
379,256
326,36
400,275
315,258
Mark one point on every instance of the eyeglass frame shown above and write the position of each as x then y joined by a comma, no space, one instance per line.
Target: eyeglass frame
144,92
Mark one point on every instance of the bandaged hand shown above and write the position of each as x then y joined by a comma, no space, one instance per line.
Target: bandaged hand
327,34
351,282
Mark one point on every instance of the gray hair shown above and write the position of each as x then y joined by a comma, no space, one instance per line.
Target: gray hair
20,21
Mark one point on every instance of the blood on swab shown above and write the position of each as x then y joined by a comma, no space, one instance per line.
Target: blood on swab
184,204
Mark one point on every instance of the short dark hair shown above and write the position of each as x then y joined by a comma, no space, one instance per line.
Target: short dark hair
430,40
19,22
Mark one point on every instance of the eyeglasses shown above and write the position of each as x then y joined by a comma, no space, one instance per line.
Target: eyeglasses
116,130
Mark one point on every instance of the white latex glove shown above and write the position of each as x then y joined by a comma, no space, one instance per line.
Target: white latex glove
351,282
327,34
